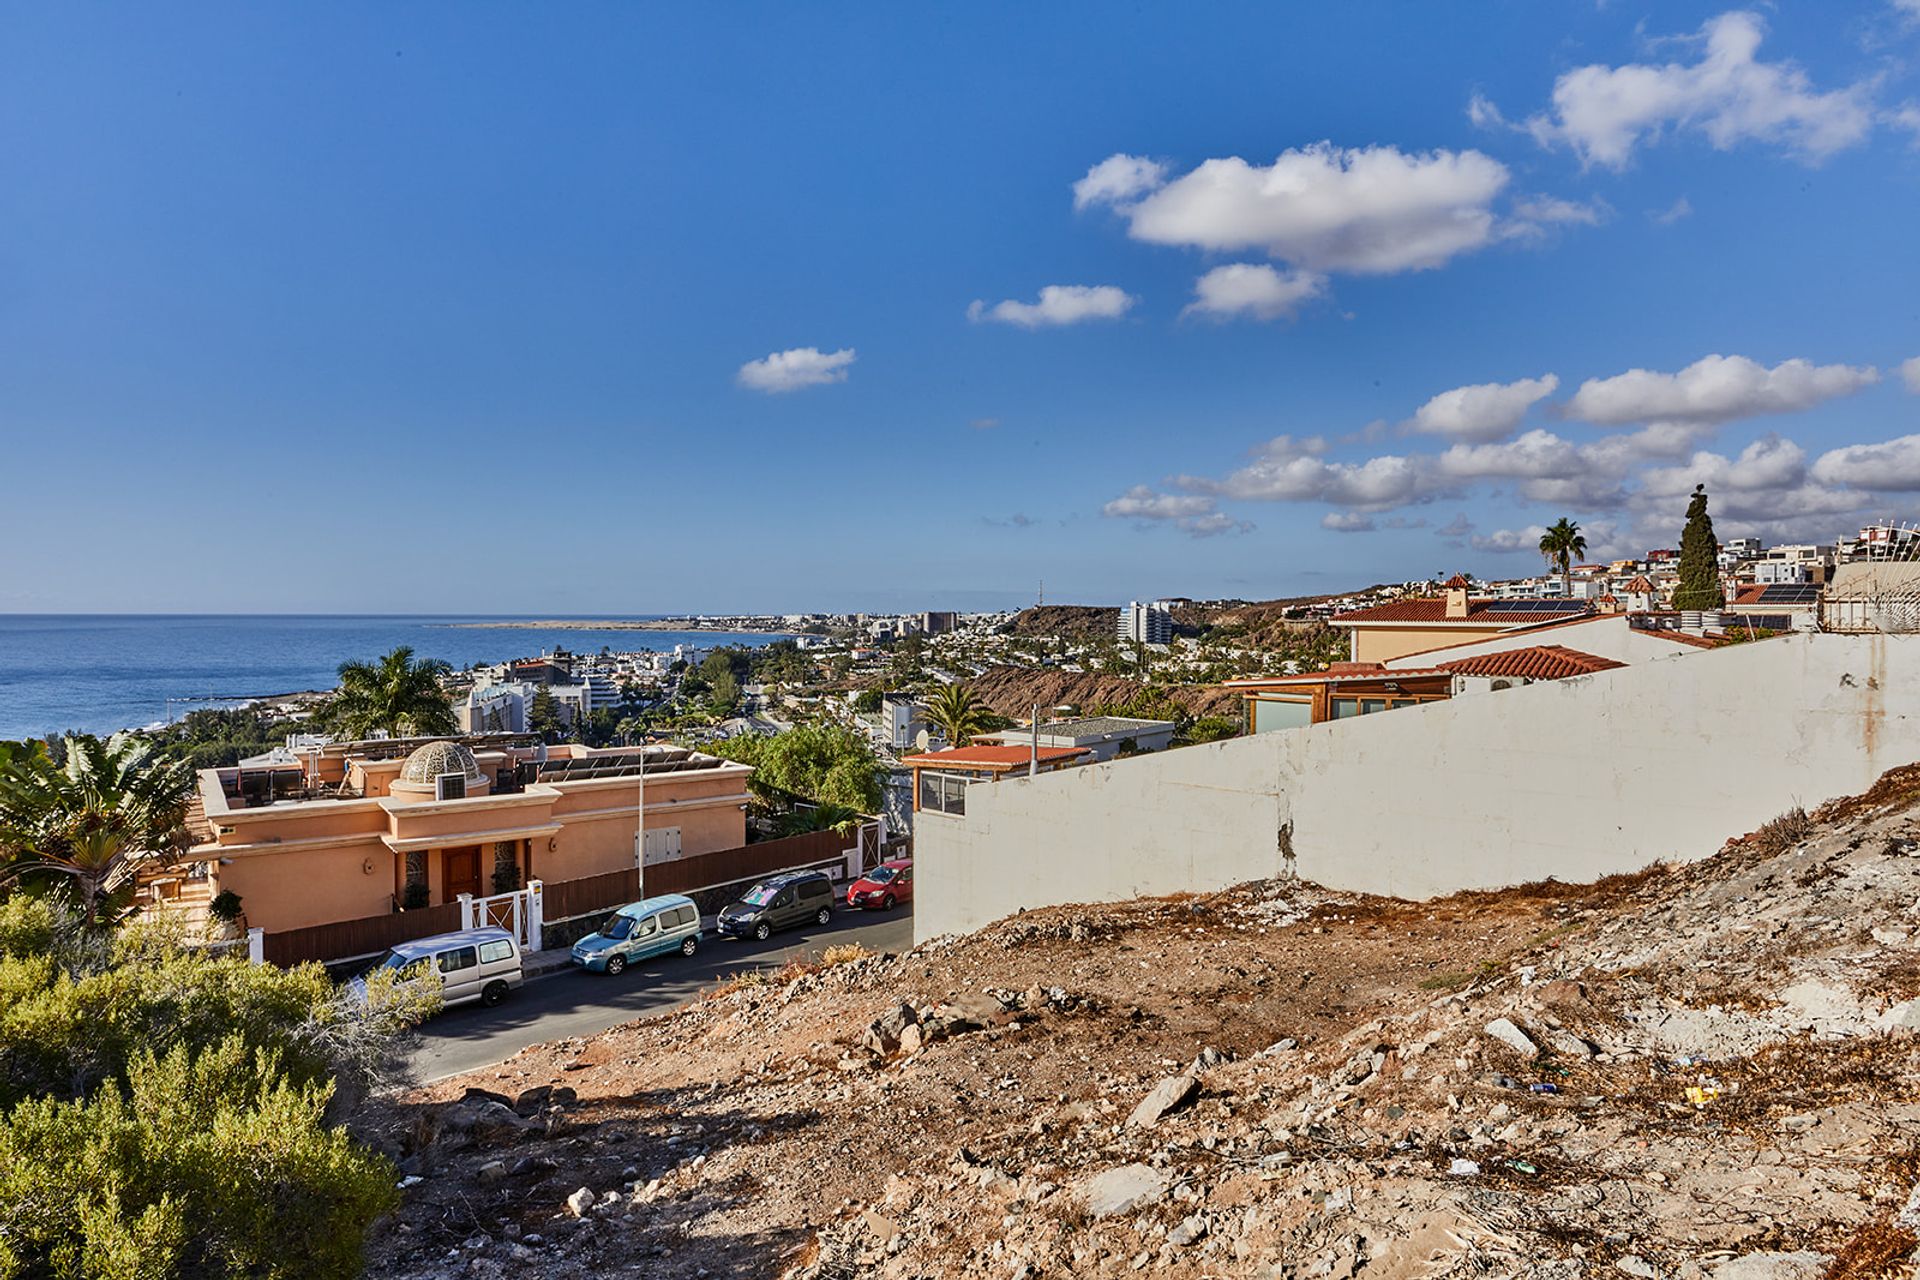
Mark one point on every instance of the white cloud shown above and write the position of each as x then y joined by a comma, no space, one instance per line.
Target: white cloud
1681,208
1286,469
1505,541
1906,116
1458,527
1910,369
1483,114
1191,513
1347,522
1117,180
1213,525
1535,454
1727,95
1537,212
1143,503
1371,210
1714,390
1059,304
1889,467
1253,289
1770,464
794,369
1483,411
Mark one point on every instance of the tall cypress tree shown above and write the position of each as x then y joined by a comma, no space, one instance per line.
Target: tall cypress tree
1699,559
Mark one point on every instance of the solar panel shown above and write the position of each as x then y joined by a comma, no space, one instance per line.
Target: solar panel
1790,593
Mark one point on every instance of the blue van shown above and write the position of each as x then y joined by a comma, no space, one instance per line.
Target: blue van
639,931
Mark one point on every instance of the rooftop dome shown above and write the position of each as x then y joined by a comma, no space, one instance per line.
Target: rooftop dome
429,762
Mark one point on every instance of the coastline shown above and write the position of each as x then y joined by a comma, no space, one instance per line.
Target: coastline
738,627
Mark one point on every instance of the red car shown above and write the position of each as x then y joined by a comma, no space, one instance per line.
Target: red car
885,887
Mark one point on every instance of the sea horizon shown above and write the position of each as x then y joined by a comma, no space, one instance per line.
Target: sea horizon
102,672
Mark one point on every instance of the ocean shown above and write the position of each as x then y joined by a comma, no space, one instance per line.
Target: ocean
100,672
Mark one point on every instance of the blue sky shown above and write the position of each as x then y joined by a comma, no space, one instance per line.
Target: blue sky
610,309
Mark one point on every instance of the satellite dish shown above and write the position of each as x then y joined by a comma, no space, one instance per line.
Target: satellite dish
921,739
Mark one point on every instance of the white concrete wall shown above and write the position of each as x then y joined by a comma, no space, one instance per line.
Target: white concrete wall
1571,779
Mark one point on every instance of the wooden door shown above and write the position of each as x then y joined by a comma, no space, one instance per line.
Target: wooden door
463,872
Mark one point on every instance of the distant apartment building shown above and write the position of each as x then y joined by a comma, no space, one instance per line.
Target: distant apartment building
905,717
939,624
1773,572
1145,623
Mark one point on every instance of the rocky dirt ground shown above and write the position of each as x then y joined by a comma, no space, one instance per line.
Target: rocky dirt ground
1705,1070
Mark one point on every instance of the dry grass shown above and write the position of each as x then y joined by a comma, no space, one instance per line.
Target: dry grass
1877,1250
1782,834
843,953
1895,789
741,981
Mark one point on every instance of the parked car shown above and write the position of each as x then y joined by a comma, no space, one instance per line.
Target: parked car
474,964
885,887
640,930
779,903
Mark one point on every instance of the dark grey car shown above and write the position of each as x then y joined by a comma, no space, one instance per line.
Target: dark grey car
779,903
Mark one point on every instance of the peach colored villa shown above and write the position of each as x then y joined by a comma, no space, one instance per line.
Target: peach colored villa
358,829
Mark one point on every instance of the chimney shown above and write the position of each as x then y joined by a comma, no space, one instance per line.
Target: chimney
1457,596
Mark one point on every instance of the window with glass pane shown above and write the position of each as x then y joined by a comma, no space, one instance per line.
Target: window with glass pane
1270,714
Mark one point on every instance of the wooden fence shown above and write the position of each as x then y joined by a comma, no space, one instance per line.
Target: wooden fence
367,936
562,900
704,870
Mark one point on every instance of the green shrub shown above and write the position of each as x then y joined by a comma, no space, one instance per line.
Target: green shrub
202,1164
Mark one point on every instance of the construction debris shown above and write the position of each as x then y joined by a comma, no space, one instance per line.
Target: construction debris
1706,1072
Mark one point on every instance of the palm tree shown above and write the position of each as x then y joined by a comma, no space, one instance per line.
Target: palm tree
1561,545
396,694
820,817
92,821
957,713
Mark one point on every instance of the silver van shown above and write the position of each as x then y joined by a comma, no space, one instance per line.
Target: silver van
474,964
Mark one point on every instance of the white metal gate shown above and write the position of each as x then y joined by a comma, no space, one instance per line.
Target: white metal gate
517,912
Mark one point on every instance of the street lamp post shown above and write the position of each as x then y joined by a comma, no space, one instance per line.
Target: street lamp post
640,827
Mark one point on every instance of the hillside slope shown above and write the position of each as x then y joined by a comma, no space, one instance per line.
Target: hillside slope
1708,1070
1014,691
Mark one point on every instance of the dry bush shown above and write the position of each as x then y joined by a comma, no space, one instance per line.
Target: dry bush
1783,833
1878,1249
843,953
1895,789
740,981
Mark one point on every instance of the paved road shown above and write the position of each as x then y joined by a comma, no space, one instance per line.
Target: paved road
575,1003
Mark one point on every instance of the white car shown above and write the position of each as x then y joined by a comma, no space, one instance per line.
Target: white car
474,964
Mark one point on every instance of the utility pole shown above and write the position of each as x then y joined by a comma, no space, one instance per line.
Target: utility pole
1033,757
640,828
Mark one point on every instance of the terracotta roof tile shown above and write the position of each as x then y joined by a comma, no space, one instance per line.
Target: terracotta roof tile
1540,662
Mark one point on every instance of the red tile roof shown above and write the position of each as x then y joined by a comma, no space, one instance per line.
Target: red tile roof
992,758
1479,612
1640,585
1750,595
1540,662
